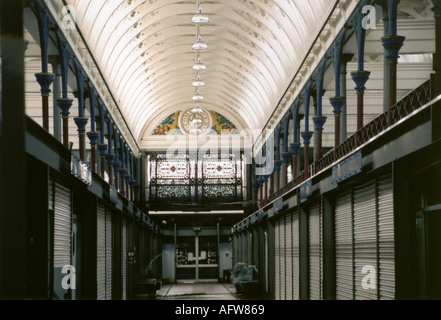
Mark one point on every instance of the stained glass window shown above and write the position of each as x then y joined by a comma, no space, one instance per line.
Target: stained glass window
189,178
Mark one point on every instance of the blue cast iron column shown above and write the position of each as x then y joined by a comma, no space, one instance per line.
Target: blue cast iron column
44,78
109,155
295,146
64,103
319,120
286,155
93,135
337,101
81,120
306,135
101,146
278,162
116,163
437,55
393,43
360,76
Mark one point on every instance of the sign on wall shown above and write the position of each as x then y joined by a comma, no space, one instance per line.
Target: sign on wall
347,168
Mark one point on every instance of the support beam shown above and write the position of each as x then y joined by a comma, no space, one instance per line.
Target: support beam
12,153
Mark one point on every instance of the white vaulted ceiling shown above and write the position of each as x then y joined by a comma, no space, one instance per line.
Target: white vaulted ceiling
144,51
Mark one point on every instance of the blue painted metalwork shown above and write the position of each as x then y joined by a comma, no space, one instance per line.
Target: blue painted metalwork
80,88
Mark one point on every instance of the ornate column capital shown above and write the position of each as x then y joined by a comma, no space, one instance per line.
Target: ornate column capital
102,149
295,147
45,80
64,104
319,122
110,157
337,103
81,123
278,165
307,135
436,7
93,137
393,45
360,78
286,157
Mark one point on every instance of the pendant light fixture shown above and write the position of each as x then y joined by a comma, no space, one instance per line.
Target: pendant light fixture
200,17
199,66
200,44
198,97
198,82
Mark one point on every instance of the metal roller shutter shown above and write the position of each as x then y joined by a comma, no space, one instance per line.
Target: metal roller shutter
343,247
109,258
365,237
386,274
295,255
124,259
51,195
277,259
289,258
62,226
282,259
315,253
101,253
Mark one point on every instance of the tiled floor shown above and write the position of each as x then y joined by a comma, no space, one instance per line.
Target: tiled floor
198,291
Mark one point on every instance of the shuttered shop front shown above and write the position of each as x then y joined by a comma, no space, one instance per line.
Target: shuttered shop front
124,234
277,259
344,259
315,252
60,201
104,254
295,256
364,238
289,257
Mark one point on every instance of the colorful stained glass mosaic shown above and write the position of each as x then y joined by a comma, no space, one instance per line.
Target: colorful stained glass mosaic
169,126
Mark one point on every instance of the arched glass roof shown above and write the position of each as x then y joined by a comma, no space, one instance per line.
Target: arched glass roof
144,50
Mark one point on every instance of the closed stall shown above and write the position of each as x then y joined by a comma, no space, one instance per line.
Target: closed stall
282,260
365,239
124,244
386,272
104,254
289,257
315,252
60,198
343,247
295,256
277,260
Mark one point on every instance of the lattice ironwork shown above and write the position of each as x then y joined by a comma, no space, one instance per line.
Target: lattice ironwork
410,103
199,179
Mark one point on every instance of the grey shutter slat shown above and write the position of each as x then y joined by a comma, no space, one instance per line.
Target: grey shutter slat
343,247
282,260
51,195
277,259
124,259
365,237
386,274
289,258
295,254
101,253
62,226
315,263
109,258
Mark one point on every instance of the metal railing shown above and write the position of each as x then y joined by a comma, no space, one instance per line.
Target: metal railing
411,102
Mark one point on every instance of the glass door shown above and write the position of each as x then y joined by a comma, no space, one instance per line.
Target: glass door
197,259
208,264
186,259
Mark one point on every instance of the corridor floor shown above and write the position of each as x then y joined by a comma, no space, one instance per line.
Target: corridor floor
198,291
